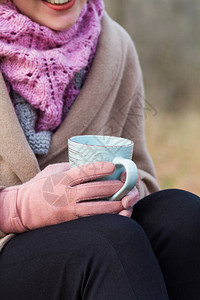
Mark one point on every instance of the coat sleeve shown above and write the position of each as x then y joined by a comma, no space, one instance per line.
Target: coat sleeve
134,126
1,233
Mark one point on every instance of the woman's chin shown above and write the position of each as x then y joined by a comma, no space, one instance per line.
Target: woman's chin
58,26
57,23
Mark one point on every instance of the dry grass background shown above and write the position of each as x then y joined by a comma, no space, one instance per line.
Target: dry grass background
173,141
166,35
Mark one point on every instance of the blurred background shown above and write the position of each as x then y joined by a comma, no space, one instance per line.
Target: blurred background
167,37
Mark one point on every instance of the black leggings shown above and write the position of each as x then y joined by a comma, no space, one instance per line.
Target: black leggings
110,257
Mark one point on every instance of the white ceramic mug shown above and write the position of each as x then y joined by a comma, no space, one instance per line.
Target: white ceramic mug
92,148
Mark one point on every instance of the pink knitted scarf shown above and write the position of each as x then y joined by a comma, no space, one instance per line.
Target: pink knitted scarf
39,63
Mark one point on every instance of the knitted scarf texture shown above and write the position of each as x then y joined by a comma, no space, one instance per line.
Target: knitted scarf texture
41,64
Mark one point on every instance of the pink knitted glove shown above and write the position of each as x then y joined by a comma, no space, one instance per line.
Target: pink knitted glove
128,201
62,196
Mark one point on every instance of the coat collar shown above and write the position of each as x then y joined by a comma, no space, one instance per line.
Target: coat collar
14,147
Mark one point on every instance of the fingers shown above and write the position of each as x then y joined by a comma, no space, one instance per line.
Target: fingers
85,209
131,198
126,212
95,190
90,172
123,176
53,169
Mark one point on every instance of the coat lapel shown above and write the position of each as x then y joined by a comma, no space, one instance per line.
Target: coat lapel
14,147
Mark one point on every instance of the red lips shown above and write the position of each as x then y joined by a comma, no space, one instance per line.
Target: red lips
60,7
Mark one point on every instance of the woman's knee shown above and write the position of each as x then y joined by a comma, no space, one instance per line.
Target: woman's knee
108,228
173,214
91,251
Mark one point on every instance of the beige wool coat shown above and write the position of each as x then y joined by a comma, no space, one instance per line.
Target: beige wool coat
111,102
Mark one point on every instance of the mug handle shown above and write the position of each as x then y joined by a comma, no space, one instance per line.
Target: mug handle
131,177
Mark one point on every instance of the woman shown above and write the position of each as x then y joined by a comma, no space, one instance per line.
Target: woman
68,69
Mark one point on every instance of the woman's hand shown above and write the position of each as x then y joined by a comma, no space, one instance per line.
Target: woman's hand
59,194
130,199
